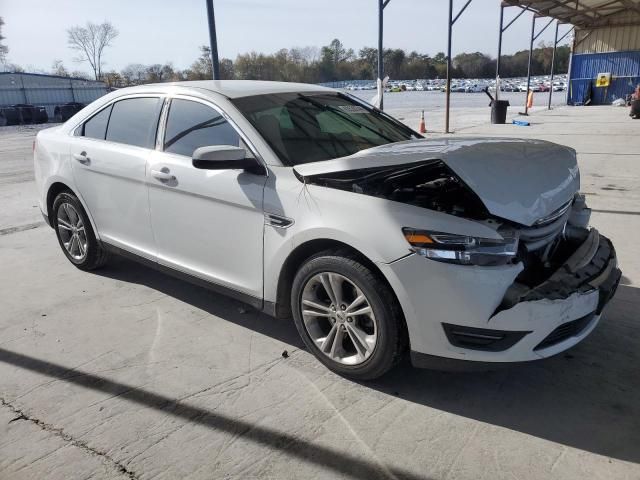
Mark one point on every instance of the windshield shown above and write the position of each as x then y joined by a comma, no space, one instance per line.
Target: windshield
309,127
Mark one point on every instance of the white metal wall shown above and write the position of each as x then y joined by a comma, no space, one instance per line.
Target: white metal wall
610,39
47,91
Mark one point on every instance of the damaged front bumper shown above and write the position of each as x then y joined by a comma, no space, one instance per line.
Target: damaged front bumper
481,314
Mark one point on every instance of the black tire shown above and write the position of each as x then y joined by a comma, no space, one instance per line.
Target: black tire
392,337
96,256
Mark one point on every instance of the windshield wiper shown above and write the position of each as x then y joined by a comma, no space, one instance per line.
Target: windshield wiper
342,115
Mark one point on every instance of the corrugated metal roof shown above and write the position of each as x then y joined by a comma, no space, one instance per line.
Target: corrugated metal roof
47,76
584,13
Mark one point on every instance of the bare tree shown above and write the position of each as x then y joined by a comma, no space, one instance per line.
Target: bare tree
57,68
3,48
90,42
134,74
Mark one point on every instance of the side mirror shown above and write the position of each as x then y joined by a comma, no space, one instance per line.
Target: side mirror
222,157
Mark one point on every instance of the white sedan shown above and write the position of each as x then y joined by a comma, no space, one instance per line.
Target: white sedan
303,201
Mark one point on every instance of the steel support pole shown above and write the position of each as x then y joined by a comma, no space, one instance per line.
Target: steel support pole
380,52
553,61
213,41
526,100
500,31
448,90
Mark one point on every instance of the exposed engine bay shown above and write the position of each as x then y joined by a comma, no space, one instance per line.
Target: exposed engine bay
542,248
428,184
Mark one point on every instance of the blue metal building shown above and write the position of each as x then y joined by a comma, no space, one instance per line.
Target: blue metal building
613,49
606,41
47,90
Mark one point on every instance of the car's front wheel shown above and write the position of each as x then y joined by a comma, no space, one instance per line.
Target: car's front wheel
75,235
347,316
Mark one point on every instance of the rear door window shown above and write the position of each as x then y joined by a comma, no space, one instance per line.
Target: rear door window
191,125
134,121
96,126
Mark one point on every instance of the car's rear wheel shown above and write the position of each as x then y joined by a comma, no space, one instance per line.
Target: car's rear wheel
75,235
347,316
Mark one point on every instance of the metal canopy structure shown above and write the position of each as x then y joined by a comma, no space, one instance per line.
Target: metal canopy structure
586,14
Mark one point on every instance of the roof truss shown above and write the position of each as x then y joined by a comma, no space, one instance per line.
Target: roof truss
584,13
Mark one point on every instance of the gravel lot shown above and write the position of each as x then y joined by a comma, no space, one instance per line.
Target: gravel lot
128,373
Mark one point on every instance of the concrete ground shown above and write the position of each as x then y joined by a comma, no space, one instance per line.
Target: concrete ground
127,373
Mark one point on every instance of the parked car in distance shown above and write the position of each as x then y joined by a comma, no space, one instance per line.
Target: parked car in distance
64,112
307,202
475,88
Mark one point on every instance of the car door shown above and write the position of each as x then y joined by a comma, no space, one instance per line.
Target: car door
109,157
207,223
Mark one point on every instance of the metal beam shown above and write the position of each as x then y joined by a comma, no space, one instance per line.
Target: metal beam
460,12
500,31
514,18
448,88
213,41
567,33
576,13
381,5
578,42
543,29
526,101
553,61
452,21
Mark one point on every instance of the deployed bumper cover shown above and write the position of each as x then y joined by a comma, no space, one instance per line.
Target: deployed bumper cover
544,320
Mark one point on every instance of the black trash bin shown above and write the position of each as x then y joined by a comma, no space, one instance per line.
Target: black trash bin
635,109
499,111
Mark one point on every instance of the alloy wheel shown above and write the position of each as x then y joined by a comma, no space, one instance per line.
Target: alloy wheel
72,232
338,317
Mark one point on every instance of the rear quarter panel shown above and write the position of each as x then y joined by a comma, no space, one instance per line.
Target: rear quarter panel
52,164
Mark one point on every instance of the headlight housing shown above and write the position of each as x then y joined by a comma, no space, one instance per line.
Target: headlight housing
462,249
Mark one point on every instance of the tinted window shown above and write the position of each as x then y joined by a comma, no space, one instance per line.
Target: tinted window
303,128
134,121
96,126
192,125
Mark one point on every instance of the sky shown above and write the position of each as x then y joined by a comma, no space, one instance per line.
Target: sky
159,31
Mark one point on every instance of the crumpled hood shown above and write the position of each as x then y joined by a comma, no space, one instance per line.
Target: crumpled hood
517,179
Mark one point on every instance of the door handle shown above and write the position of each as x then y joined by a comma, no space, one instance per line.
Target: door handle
163,175
82,158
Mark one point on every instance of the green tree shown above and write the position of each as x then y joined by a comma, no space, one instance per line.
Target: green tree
334,59
474,65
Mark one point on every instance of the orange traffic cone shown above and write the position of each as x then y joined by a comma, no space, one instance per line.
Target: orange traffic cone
422,128
530,99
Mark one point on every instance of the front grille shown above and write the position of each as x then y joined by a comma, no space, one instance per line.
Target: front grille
565,331
555,215
540,235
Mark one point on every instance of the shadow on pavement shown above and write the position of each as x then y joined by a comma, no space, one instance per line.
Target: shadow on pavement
216,304
587,398
330,459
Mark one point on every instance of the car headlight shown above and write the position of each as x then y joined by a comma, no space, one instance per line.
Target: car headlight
462,249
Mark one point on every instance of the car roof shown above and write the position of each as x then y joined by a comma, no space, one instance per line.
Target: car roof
246,88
